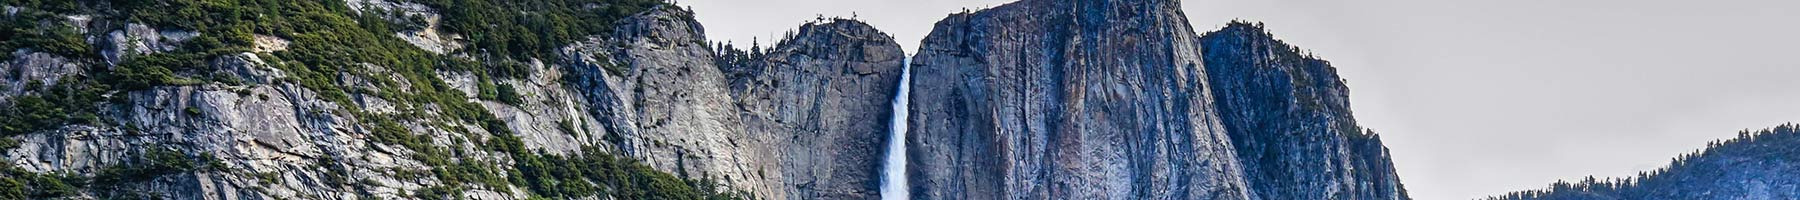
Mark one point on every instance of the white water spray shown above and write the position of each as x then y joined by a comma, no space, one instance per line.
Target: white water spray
893,172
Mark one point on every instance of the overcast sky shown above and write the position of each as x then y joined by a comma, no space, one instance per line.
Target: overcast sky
1477,98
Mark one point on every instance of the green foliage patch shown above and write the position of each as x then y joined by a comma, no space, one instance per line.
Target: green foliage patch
16,183
70,101
41,31
532,29
597,173
151,163
329,41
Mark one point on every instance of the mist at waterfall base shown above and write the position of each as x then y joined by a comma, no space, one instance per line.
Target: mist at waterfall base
893,172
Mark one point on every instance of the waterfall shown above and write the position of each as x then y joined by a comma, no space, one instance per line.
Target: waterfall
893,172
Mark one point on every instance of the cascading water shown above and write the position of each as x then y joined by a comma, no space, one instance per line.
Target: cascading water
893,172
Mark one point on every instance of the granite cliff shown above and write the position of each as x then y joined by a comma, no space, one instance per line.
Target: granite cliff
402,99
1065,99
1288,115
825,96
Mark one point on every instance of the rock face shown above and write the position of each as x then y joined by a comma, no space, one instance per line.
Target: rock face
1062,99
427,36
1121,100
1289,118
279,140
803,120
1755,165
141,39
824,96
28,67
669,105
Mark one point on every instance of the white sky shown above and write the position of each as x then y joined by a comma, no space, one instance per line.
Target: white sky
1476,98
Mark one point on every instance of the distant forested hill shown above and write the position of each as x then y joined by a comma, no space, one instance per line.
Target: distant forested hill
1755,165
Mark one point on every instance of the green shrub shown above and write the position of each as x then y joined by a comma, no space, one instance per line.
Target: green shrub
71,100
149,164
129,77
58,39
486,89
507,94
42,31
61,6
8,143
566,127
597,173
16,183
521,30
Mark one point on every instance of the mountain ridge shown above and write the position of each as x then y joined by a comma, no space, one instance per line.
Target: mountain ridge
1754,165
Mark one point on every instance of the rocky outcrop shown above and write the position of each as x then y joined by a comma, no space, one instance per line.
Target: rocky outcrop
824,96
1288,115
803,120
662,97
272,140
140,39
1064,99
420,23
33,69
1121,100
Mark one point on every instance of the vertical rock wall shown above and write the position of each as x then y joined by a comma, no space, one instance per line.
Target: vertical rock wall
1069,100
825,97
1289,117
802,120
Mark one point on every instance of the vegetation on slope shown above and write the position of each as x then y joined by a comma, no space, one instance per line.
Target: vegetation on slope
532,29
109,183
1754,165
331,40
23,30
